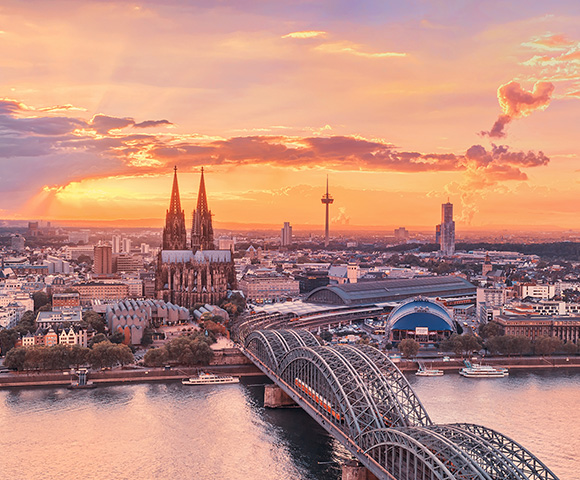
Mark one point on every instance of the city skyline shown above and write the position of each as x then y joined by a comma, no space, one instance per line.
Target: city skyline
403,105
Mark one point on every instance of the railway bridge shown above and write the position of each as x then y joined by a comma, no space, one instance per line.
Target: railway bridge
361,398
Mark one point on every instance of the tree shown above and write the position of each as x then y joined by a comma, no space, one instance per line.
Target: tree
570,348
409,347
234,304
490,329
215,328
123,354
84,259
117,337
78,355
40,299
107,354
15,358
155,357
147,338
8,339
548,345
185,350
98,338
94,320
495,344
27,322
521,345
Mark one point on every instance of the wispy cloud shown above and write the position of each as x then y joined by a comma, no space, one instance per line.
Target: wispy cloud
353,49
59,148
306,34
550,41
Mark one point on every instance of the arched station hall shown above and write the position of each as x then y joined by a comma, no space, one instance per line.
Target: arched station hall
421,319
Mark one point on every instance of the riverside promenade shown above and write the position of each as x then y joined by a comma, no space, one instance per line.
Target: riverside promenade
228,361
231,361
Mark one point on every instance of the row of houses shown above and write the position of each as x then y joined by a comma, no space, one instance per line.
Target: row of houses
51,336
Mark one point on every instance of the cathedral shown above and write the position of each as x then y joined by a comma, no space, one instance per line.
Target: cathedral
201,274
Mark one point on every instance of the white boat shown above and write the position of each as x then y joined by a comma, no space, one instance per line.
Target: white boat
210,379
476,370
429,372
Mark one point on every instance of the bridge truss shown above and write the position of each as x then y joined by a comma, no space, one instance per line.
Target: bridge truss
360,396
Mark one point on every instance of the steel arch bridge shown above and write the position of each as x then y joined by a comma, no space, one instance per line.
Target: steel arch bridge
360,396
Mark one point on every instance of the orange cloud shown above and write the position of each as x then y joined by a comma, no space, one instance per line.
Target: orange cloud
516,102
59,150
306,34
550,42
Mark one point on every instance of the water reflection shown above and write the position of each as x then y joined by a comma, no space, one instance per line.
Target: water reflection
169,431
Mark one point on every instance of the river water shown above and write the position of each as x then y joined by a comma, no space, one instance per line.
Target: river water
171,431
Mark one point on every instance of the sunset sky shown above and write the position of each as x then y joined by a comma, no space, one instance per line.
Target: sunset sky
402,104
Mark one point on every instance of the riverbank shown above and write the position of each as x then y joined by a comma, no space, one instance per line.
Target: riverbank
231,361
513,363
121,376
228,361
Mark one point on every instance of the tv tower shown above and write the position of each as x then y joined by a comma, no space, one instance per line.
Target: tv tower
327,200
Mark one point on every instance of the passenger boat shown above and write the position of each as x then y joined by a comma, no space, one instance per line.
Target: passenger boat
429,372
210,379
476,370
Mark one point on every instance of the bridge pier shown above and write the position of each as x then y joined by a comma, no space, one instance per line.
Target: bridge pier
353,470
275,397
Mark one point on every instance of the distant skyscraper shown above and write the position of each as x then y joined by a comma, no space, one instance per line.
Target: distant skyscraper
401,234
447,229
126,245
17,243
103,260
286,237
116,242
326,200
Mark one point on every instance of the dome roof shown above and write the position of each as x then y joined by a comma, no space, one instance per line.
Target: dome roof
420,312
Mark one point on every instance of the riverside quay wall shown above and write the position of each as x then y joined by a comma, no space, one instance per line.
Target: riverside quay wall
228,361
232,361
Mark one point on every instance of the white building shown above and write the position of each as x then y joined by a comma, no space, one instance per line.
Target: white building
135,287
48,319
57,265
10,316
116,243
546,291
73,253
79,236
225,243
268,286
126,245
339,274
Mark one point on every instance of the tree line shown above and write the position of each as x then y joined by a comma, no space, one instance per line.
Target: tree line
58,357
494,343
187,350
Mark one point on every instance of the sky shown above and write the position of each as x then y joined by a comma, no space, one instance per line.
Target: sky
404,105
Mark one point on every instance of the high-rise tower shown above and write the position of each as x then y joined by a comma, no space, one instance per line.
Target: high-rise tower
326,200
202,229
447,229
174,234
286,235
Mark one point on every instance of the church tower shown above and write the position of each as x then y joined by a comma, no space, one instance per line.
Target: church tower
174,234
202,229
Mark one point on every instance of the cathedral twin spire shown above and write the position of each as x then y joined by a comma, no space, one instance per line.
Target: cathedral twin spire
174,234
202,229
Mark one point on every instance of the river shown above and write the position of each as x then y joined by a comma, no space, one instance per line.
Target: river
171,431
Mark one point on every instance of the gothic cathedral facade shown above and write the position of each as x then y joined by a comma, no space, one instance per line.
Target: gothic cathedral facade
201,274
